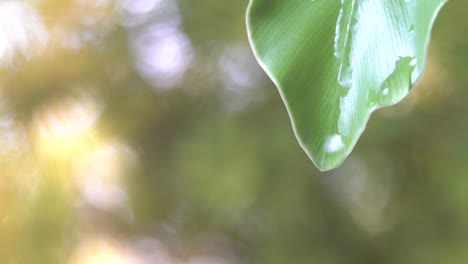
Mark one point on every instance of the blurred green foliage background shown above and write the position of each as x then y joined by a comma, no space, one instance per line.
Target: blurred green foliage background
143,131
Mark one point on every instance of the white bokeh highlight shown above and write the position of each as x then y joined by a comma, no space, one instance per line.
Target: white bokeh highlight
22,31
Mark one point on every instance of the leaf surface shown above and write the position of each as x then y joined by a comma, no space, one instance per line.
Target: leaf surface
335,62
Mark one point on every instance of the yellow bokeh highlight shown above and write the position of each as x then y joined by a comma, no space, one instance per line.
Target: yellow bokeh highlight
63,130
75,156
101,250
66,128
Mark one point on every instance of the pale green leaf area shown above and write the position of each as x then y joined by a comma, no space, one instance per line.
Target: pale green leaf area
335,62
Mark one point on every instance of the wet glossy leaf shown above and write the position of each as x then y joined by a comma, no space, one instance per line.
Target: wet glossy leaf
335,62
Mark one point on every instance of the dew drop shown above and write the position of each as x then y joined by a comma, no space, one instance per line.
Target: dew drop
334,143
345,75
343,40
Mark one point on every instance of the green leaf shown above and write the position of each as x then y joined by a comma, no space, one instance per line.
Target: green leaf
335,62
